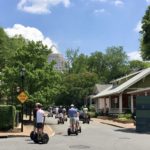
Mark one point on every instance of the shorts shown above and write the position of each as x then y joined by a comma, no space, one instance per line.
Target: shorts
39,125
72,120
60,115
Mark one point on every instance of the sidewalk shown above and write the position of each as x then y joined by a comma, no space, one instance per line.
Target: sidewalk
27,128
114,123
26,131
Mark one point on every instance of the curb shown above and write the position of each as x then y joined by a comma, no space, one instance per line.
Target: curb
112,125
9,135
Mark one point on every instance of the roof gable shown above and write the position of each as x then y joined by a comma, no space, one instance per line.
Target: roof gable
125,85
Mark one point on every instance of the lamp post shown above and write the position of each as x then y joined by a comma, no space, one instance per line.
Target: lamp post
22,75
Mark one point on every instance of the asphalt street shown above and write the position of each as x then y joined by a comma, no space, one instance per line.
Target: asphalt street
94,136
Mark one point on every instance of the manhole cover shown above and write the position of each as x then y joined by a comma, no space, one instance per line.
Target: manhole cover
59,133
79,147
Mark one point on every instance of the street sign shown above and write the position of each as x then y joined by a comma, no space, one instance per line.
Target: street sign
22,97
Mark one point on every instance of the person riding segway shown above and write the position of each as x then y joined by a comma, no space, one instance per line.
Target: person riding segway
86,118
34,121
60,116
40,136
72,113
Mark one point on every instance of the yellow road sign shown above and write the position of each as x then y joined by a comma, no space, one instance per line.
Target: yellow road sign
22,97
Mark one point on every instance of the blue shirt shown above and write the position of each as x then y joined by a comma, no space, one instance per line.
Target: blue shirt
72,112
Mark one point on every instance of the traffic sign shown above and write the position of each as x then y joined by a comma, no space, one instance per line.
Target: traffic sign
22,97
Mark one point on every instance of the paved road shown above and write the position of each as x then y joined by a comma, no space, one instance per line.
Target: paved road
94,136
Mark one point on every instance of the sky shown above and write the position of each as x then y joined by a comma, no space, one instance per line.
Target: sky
87,25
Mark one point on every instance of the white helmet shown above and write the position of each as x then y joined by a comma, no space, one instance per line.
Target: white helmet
72,105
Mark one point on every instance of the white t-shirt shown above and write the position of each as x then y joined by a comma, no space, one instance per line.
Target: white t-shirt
40,116
85,110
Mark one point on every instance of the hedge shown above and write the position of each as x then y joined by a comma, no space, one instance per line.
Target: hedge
7,117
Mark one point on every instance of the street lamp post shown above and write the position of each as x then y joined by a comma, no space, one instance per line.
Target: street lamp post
22,75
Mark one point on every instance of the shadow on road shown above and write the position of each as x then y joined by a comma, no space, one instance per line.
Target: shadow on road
131,130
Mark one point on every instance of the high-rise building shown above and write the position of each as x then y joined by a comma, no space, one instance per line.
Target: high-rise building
59,59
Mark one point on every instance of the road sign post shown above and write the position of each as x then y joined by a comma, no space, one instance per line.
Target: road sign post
22,97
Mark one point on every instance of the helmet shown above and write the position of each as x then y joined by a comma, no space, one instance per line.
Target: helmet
72,105
37,104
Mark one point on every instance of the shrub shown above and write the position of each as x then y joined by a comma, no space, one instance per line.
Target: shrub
125,116
92,114
8,114
92,108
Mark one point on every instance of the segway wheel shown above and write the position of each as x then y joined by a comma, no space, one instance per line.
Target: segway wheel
76,132
45,138
36,138
69,132
32,135
58,122
80,129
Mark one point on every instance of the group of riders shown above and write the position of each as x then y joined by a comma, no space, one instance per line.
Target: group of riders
61,113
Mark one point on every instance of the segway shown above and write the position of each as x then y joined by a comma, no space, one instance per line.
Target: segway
86,119
60,119
50,114
42,137
71,131
78,126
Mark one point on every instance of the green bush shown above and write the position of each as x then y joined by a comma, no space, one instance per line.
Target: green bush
92,114
92,108
8,114
124,116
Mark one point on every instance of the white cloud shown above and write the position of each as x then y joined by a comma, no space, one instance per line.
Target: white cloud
40,6
138,27
31,33
148,1
99,11
134,55
100,0
118,3
114,2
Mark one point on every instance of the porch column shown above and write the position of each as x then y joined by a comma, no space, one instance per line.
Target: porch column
132,106
104,104
109,103
90,100
97,102
120,103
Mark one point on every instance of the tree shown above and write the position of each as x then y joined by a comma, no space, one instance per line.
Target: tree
71,55
117,61
145,35
41,80
5,48
77,88
136,65
97,64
